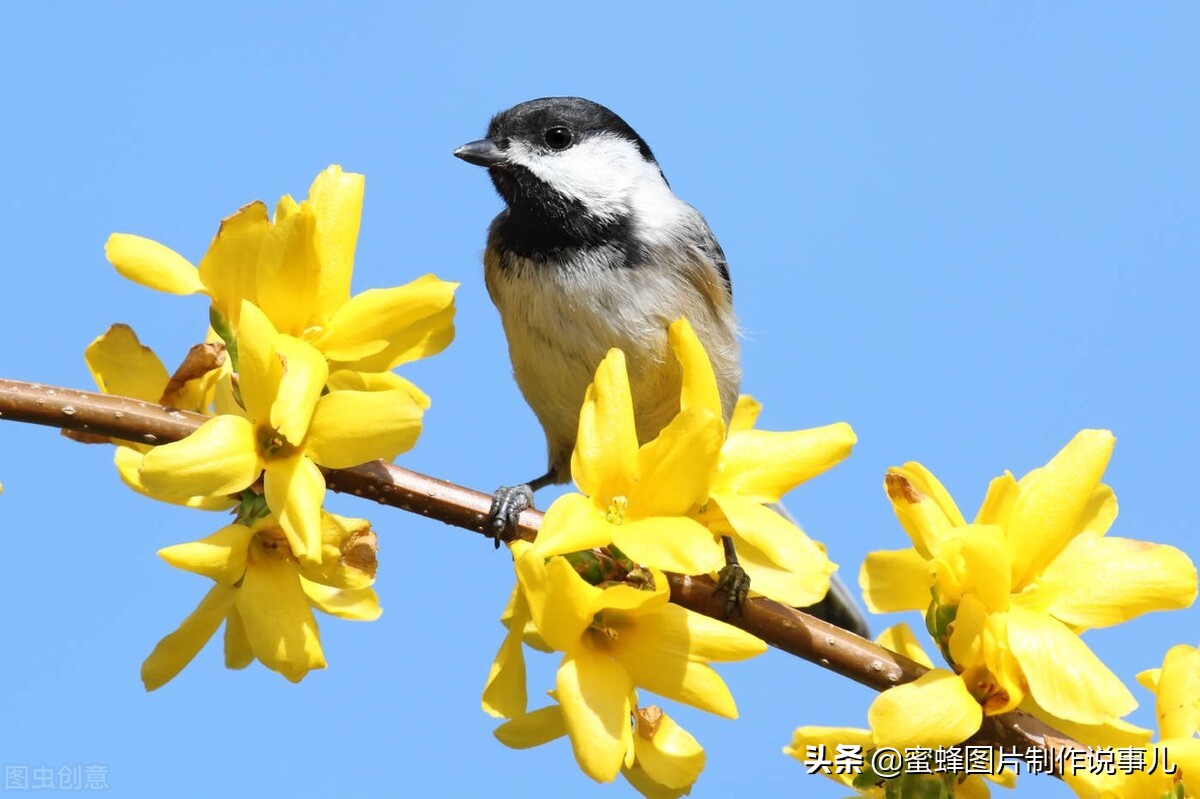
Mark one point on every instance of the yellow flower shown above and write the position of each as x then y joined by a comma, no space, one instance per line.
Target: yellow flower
297,269
122,365
665,759
1011,592
664,504
265,596
935,710
817,748
613,639
756,468
288,431
1176,688
636,497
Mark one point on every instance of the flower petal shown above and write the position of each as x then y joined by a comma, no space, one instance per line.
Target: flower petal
827,739
259,366
504,693
671,543
219,458
349,554
986,568
1148,679
532,729
678,633
1099,581
278,619
936,709
303,380
572,524
924,508
221,556
128,460
799,588
1178,693
348,380
195,382
1001,494
763,465
289,270
978,645
606,449
699,385
287,206
151,264
351,604
895,580
900,639
1100,512
120,364
238,654
745,414
1064,676
353,427
337,199
1047,513
229,270
682,680
668,753
774,535
295,490
674,471
593,690
1112,733
174,652
408,321
560,601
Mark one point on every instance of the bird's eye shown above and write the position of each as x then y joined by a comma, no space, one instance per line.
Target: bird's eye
557,138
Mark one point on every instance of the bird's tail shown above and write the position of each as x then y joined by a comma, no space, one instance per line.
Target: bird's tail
839,606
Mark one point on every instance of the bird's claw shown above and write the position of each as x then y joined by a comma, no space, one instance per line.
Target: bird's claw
507,504
733,580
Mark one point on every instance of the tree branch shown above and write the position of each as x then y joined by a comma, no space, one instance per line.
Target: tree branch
780,626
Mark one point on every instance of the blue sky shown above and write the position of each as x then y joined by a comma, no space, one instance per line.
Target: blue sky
968,229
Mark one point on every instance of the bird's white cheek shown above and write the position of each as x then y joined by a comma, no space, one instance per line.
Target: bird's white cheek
603,173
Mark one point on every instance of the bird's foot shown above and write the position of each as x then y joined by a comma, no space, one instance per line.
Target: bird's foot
733,580
507,504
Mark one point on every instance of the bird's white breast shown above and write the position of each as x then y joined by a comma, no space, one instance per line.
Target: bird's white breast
560,323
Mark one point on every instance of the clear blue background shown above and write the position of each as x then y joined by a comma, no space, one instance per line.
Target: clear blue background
968,231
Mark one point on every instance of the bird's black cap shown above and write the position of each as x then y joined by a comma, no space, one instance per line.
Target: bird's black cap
529,120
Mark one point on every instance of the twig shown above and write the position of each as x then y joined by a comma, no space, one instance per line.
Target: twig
780,626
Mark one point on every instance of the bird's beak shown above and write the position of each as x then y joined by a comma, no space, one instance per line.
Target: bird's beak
484,152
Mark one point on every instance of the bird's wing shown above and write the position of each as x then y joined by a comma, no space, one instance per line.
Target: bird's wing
709,270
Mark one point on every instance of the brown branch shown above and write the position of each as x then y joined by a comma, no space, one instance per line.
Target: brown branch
780,626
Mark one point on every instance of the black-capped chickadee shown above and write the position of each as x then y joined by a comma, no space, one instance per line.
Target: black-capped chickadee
595,251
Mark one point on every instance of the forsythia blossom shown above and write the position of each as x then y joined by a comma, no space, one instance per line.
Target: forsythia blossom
665,760
296,375
664,503
1176,688
288,429
614,639
265,596
1007,596
645,507
120,364
927,714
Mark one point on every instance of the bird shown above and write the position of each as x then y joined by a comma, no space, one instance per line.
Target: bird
593,250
